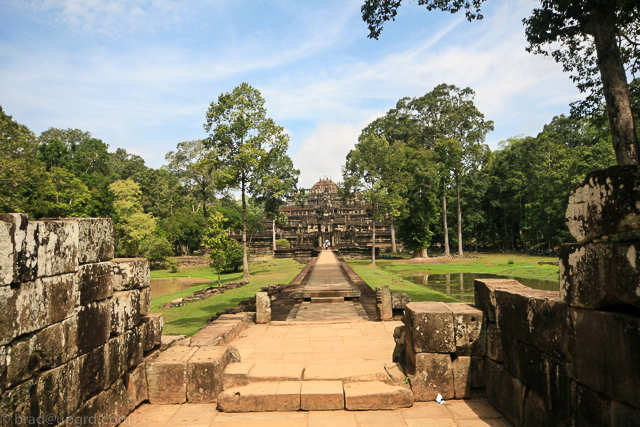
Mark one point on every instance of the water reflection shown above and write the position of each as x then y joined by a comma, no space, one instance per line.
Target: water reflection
464,282
166,286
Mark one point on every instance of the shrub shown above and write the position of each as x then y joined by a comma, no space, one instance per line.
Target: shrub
282,243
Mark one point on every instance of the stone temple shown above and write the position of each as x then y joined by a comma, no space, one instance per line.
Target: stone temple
324,216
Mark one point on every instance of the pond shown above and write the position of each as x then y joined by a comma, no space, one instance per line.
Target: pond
166,286
460,285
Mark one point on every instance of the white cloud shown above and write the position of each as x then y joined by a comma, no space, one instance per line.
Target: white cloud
323,153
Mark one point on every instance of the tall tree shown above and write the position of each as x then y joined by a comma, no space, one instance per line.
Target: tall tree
243,139
578,27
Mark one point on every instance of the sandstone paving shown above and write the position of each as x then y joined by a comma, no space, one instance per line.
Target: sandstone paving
454,413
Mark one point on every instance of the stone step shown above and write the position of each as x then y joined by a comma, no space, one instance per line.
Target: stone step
245,373
314,396
327,300
188,374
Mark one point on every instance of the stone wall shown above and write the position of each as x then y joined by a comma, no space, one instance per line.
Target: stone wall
566,358
74,322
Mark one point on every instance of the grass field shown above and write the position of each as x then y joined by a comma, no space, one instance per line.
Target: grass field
523,266
186,320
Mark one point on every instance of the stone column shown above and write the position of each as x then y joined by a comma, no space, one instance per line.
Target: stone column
263,308
384,308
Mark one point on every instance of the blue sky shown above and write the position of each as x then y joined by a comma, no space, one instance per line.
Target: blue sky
140,74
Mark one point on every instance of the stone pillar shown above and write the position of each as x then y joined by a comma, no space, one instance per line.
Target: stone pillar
263,308
384,308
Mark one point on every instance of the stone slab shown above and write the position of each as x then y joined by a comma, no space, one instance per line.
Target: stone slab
356,372
59,391
429,328
125,310
108,408
167,376
462,377
609,361
606,203
152,325
470,329
130,273
136,383
598,275
18,258
204,373
538,318
98,315
95,281
263,308
321,396
95,240
485,297
288,396
384,305
505,392
57,247
19,404
367,396
235,375
326,300
256,397
433,375
262,371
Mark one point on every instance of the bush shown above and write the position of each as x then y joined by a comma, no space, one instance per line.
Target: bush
282,243
173,266
511,262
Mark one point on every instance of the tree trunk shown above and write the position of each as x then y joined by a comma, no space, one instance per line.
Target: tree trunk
273,229
447,253
373,244
420,253
245,259
602,27
393,237
459,217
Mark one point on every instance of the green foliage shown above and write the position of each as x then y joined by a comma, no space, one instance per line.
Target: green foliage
511,262
223,249
249,148
173,266
283,243
20,170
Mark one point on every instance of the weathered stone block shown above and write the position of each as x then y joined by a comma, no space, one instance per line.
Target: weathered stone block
536,413
98,316
57,246
93,373
130,273
374,395
399,300
18,406
537,318
167,376
461,367
549,377
204,371
592,408
95,282
34,305
469,329
125,310
485,294
152,330
109,408
95,239
494,343
429,328
623,415
263,308
3,367
384,306
145,301
476,372
136,382
606,203
257,397
58,390
18,258
505,392
321,396
596,275
122,352
433,374
44,349
607,356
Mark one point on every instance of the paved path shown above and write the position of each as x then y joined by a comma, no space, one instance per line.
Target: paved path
327,280
454,413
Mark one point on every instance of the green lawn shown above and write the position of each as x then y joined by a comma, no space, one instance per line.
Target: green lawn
188,319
